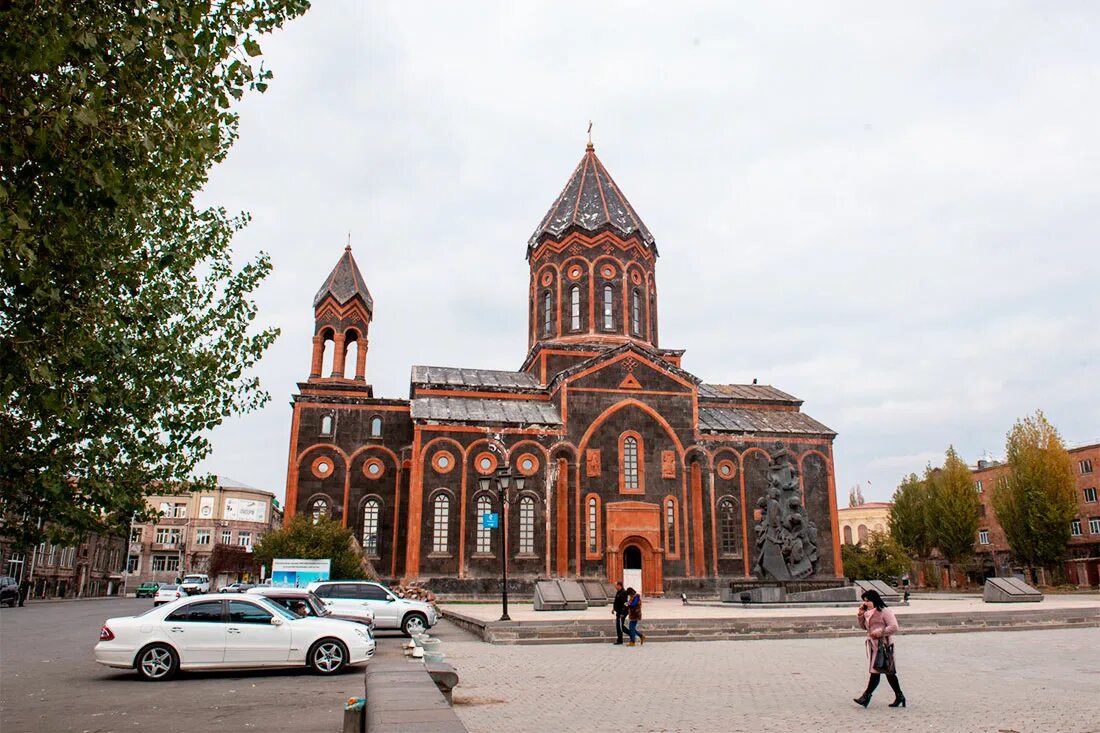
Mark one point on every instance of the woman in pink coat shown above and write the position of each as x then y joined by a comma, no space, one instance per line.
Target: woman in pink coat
880,623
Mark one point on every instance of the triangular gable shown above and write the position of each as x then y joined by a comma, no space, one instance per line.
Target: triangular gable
629,366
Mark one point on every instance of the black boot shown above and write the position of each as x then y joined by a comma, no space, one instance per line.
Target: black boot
863,699
899,696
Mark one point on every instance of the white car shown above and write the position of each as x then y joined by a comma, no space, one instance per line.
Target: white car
166,593
195,584
224,633
390,612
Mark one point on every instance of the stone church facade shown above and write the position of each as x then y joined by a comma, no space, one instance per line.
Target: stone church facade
631,464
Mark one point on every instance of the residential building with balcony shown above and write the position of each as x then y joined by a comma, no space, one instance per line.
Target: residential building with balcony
192,524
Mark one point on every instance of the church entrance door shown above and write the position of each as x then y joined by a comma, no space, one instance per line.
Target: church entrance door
632,568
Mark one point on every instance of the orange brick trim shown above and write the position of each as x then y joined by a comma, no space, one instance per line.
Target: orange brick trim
443,461
374,468
527,464
727,469
485,463
672,539
322,466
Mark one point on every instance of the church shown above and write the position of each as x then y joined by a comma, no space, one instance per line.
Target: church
623,465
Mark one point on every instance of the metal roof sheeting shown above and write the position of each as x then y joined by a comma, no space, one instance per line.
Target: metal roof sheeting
745,392
459,377
740,420
474,410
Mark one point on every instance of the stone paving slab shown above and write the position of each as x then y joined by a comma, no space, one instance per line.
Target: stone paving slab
1022,682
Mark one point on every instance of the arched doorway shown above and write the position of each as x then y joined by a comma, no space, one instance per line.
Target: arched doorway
632,568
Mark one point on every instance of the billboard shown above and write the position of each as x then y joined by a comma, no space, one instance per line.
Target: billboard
245,510
298,573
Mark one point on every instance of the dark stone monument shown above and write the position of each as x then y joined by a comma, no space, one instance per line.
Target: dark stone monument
786,538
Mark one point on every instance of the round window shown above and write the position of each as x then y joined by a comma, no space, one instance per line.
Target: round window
443,462
485,463
322,467
575,272
726,469
608,271
547,278
636,277
374,468
527,464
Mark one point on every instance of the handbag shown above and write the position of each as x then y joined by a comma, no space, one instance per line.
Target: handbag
884,657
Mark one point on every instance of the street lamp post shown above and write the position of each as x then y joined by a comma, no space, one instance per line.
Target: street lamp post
504,478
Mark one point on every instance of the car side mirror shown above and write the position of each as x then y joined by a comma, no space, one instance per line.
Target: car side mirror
390,599
276,621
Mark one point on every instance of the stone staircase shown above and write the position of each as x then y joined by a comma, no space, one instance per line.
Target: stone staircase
581,631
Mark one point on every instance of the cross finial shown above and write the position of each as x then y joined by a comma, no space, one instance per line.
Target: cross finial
589,146
348,248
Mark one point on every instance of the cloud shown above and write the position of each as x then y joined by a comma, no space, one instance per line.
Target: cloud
888,212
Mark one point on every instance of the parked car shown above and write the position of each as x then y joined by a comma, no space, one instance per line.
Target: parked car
390,612
229,633
9,591
306,603
195,584
237,587
147,590
166,593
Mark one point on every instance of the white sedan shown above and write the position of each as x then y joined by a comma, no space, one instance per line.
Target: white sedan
201,633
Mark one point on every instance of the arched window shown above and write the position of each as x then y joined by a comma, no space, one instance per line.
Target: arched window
636,313
608,313
861,532
484,535
526,526
442,521
629,470
727,527
372,511
575,308
319,508
326,425
593,534
847,535
376,427
547,306
670,526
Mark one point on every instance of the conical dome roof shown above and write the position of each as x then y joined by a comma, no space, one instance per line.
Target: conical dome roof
591,201
344,283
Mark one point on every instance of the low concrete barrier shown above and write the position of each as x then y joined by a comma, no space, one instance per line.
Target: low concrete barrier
408,697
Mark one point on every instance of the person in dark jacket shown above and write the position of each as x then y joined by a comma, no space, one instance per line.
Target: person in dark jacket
634,613
618,608
24,591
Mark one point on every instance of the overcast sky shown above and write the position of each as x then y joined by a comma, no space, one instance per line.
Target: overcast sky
887,210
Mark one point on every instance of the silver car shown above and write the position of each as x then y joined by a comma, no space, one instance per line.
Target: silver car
390,612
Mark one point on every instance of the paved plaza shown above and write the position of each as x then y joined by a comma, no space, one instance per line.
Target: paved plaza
1020,681
1023,681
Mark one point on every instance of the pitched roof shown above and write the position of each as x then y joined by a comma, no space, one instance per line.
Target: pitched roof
475,410
591,201
745,393
459,377
742,420
344,283
642,349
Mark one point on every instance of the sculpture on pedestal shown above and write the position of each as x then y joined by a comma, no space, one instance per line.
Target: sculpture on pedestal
786,538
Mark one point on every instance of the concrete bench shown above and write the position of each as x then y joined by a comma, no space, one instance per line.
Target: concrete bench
407,697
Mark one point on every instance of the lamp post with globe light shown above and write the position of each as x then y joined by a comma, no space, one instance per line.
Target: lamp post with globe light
505,479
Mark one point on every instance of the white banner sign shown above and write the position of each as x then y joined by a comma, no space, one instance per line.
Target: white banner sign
245,510
298,573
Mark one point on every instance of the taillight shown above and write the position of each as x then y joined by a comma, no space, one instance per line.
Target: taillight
105,634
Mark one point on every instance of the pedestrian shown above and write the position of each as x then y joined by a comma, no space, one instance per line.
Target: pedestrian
24,590
634,613
618,608
881,624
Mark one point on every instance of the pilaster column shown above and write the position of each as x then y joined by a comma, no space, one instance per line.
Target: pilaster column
318,357
361,360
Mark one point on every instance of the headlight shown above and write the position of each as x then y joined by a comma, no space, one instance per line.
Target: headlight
362,634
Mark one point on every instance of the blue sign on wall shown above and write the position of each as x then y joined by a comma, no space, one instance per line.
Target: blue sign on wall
490,521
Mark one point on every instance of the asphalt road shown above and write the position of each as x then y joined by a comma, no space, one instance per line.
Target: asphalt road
49,682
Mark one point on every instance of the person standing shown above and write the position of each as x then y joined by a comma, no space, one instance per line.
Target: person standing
24,590
881,624
634,613
618,607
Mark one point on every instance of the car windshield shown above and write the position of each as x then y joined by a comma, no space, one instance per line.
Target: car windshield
194,579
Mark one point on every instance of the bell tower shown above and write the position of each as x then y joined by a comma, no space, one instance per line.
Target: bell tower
342,312
592,261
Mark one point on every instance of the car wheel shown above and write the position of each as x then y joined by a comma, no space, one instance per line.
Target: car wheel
414,623
157,662
328,656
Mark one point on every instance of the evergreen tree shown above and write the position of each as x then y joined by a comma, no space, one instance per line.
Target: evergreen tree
322,539
1036,500
124,322
955,511
909,517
